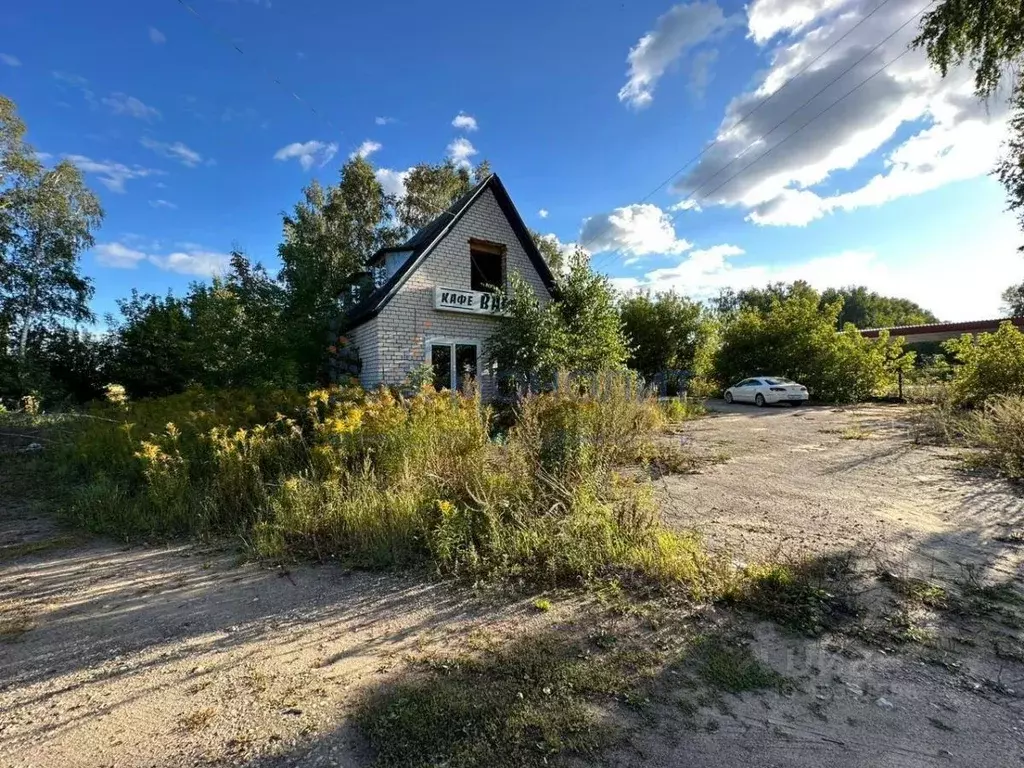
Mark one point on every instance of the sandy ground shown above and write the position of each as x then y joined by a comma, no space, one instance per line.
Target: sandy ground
116,656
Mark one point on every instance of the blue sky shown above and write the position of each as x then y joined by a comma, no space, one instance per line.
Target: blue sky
583,109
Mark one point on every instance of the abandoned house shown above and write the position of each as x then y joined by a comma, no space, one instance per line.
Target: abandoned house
434,298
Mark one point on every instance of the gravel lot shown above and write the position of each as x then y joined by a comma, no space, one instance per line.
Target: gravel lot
182,656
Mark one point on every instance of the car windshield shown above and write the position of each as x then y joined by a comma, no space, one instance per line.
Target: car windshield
778,380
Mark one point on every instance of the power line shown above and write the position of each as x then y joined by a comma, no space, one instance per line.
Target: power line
743,119
226,39
705,196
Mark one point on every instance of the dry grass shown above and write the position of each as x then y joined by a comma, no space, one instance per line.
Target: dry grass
197,720
16,618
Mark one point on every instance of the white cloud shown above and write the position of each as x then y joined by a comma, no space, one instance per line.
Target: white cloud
156,36
118,255
767,18
384,120
934,278
635,230
111,175
763,165
460,151
162,204
543,213
175,151
201,263
675,32
123,104
194,260
308,153
10,60
465,122
392,181
366,149
689,204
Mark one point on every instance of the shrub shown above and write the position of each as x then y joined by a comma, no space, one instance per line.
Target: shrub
997,429
794,338
992,364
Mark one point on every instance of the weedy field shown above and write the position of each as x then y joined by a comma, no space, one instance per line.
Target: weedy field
834,601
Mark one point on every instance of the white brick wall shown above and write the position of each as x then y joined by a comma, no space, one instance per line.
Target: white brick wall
394,342
364,339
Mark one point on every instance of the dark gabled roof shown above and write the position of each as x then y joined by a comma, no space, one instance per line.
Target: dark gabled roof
424,241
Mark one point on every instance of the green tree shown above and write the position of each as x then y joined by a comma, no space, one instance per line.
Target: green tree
153,345
1013,300
991,364
987,35
549,248
529,342
797,338
867,309
430,189
664,331
579,331
52,215
328,237
236,329
729,302
590,318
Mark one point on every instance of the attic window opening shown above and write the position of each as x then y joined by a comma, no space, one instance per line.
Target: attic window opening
487,265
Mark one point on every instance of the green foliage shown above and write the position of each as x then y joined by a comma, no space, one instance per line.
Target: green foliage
430,189
47,219
227,333
529,341
795,338
62,366
810,596
586,307
531,703
729,302
991,364
52,218
549,248
666,332
578,331
867,309
328,237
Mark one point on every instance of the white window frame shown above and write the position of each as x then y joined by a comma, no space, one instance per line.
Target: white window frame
451,342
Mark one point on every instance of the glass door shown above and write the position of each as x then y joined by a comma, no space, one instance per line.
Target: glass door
465,366
441,361
455,365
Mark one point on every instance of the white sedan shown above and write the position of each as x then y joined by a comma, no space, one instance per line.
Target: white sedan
767,389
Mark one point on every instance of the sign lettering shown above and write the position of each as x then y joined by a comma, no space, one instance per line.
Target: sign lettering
470,302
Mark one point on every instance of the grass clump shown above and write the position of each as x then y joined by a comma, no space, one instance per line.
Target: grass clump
524,704
810,597
16,618
679,409
733,668
855,433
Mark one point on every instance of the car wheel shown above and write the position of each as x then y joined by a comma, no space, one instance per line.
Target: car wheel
728,397
759,400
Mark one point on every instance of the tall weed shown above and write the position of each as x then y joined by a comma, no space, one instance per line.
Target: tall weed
377,480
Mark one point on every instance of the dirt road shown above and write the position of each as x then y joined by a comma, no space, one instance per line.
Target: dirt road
183,656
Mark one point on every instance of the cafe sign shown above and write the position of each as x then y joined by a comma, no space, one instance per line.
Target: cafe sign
470,302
